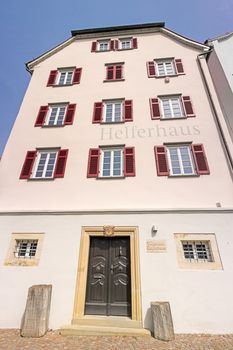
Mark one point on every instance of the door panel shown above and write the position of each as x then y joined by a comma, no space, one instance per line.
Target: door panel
120,291
108,282
97,282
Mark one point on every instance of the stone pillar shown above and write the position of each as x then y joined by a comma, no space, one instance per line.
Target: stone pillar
162,321
36,315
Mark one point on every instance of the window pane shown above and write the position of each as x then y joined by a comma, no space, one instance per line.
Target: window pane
25,248
109,112
166,108
161,69
62,78
169,68
69,77
197,251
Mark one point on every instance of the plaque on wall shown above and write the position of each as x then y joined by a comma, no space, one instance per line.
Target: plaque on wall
156,246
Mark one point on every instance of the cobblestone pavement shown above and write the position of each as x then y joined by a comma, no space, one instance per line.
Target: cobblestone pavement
11,340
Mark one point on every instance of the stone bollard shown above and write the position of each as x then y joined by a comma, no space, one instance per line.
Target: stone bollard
162,321
35,319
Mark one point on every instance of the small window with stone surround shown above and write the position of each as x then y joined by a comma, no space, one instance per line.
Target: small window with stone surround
24,249
197,251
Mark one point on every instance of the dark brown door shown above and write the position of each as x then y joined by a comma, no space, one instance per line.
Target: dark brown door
108,281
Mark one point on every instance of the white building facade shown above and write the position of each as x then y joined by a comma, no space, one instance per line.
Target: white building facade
220,64
116,184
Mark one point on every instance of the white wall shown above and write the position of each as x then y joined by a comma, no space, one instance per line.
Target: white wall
146,190
224,50
200,300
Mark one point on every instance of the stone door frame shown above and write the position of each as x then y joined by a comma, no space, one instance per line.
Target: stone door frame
105,231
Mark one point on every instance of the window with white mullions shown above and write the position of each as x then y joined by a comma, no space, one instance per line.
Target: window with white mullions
103,45
56,115
172,107
165,68
125,44
25,248
113,111
112,163
180,160
65,77
197,251
45,164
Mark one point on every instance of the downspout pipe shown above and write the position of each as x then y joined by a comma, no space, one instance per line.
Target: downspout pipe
223,138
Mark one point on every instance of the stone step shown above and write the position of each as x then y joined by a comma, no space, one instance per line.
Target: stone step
75,330
107,321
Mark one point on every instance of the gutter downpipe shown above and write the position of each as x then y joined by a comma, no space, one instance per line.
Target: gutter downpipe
225,145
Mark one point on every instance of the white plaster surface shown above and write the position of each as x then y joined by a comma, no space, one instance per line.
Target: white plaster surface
200,300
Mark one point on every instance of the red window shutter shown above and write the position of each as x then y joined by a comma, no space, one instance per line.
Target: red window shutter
77,75
40,119
93,162
110,72
118,71
188,108
151,69
135,43
70,111
200,159
129,161
112,45
61,163
98,112
28,165
179,66
94,46
154,108
52,77
128,110
116,44
161,161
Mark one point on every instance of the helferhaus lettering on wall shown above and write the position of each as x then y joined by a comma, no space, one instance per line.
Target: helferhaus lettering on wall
133,132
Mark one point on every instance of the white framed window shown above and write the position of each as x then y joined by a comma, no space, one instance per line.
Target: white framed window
197,251
25,248
126,44
113,111
45,164
65,77
111,164
172,107
56,114
180,160
103,45
165,67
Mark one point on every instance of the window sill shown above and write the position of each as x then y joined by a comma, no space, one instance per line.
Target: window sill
176,118
113,80
197,265
62,85
182,175
111,123
41,179
53,126
21,262
98,51
110,177
131,48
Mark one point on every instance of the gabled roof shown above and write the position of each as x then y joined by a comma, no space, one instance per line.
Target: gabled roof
116,31
219,38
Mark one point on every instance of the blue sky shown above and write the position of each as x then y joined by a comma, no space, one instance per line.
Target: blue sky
28,28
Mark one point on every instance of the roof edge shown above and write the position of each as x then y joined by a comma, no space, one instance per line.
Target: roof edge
117,28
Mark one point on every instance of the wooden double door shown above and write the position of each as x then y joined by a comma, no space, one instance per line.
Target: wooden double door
109,282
